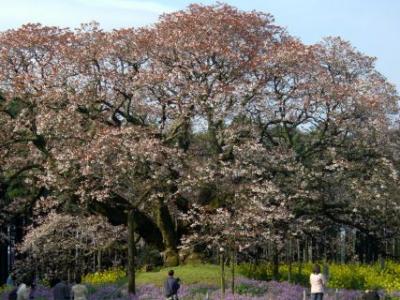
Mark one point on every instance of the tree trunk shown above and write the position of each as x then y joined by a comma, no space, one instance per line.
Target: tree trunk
131,253
222,264
342,246
99,259
212,131
305,251
233,262
275,263
382,262
3,262
145,226
289,260
167,228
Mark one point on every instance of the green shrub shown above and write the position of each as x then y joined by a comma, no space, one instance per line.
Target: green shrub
342,276
246,289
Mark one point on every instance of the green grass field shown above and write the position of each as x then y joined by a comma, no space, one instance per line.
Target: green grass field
189,274
346,276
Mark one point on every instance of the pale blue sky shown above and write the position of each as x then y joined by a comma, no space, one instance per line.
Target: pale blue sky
373,26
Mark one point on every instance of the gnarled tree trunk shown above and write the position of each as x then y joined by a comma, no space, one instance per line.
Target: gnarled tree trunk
167,228
131,252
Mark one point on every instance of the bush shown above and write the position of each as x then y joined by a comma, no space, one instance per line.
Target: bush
347,276
108,276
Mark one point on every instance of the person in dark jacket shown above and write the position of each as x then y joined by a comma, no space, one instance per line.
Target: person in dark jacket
171,286
61,290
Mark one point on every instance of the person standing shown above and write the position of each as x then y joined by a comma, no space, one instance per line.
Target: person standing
61,290
171,286
317,281
79,291
10,280
24,290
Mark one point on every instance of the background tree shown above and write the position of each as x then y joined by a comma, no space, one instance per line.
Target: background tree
65,244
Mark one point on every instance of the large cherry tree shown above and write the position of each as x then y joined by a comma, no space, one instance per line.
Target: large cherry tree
210,106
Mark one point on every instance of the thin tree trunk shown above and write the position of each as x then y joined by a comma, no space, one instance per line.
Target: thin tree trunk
222,265
212,131
298,251
289,258
131,253
342,246
275,262
99,259
382,261
299,259
94,262
233,262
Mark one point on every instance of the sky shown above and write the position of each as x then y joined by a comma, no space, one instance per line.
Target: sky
372,26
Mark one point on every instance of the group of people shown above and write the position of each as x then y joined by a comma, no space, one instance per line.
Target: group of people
61,289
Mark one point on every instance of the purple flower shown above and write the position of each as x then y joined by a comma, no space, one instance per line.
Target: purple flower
247,289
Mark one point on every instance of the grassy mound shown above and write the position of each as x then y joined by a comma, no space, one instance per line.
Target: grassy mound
189,274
